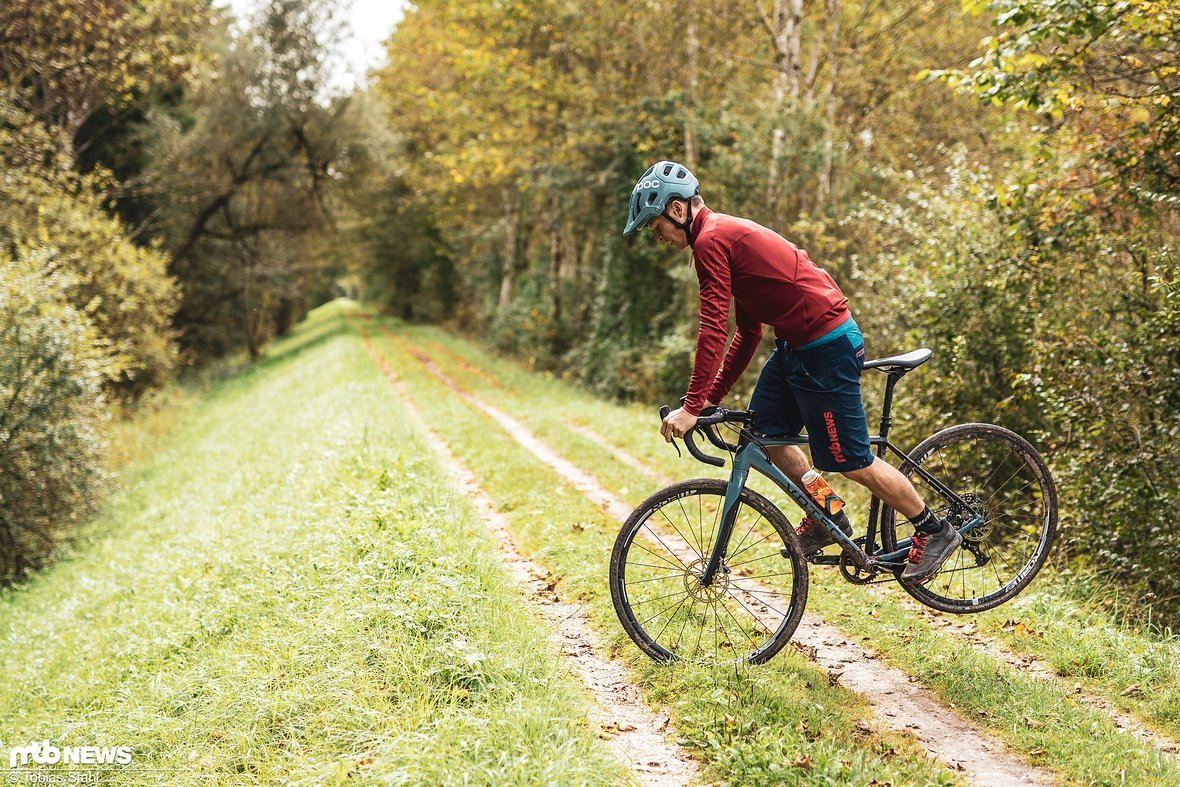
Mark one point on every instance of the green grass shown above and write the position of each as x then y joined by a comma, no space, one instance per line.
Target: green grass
1107,658
287,590
751,725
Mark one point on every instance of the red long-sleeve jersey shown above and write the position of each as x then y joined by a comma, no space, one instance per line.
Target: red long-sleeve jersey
771,281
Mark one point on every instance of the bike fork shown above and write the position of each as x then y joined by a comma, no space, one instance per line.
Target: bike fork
737,482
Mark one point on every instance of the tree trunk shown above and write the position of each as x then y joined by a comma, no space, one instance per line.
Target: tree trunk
823,189
690,99
556,255
786,31
509,266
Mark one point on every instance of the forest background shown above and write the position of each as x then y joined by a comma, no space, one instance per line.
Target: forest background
997,181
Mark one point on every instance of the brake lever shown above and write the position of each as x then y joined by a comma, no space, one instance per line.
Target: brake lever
664,414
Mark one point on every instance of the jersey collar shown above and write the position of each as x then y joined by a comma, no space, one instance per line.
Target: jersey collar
698,221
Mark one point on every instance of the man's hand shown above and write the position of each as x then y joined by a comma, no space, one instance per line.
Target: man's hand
677,423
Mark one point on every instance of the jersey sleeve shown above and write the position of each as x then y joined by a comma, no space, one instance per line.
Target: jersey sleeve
713,274
741,350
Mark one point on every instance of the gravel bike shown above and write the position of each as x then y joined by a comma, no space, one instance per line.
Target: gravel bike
708,570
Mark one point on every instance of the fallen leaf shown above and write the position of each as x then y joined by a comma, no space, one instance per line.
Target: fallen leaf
1034,723
1037,752
802,761
1132,689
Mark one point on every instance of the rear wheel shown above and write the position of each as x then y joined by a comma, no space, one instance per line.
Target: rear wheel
999,475
749,610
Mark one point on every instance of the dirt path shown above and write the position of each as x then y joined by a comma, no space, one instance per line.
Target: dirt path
633,730
964,629
899,704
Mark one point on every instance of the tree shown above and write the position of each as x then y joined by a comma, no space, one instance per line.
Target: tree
244,186
65,60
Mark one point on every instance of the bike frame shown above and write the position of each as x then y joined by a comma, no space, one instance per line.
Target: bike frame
751,454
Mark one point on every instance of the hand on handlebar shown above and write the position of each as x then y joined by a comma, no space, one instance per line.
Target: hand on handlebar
676,423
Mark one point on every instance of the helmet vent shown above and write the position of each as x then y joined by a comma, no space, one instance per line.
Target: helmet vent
667,169
651,197
681,173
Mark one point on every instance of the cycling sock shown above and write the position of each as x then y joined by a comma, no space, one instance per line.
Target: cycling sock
927,522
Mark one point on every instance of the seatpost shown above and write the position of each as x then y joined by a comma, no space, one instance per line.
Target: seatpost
886,411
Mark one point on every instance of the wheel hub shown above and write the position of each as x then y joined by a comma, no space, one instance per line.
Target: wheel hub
707,593
980,533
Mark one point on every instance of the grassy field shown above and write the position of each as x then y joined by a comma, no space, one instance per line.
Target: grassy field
1133,670
287,590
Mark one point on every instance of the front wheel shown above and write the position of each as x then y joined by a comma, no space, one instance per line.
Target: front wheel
999,476
749,610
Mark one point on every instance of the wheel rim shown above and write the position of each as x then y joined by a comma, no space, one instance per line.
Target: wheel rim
739,615
1001,482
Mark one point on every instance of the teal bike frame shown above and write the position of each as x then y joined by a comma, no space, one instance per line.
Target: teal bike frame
750,453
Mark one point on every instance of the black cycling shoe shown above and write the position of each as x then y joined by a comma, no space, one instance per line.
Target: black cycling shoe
928,551
813,537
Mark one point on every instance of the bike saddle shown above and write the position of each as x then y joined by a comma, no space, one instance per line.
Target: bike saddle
901,363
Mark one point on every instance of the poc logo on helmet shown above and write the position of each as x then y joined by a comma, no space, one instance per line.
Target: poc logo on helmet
649,184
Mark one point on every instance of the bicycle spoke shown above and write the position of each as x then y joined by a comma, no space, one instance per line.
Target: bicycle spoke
742,540
740,551
681,535
678,566
661,598
653,579
671,617
652,530
699,547
755,560
662,611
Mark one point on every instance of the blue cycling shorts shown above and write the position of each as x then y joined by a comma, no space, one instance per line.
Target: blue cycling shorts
817,387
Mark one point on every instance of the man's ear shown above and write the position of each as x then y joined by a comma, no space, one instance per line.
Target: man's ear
678,209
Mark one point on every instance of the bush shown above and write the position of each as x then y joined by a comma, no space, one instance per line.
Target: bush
122,288
52,370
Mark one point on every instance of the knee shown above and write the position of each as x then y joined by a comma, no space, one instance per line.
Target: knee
860,475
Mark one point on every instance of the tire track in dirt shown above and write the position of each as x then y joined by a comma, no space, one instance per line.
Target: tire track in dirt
634,732
900,704
964,630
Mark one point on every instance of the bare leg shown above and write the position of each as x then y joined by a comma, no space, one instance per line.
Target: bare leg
886,482
880,478
791,460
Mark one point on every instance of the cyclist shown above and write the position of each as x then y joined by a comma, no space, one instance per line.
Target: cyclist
812,378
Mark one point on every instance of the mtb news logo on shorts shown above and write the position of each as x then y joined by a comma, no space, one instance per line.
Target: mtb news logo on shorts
45,753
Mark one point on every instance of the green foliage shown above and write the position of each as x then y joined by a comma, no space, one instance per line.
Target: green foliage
122,288
52,371
67,61
243,185
1103,74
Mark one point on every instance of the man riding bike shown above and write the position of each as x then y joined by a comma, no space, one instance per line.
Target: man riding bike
812,378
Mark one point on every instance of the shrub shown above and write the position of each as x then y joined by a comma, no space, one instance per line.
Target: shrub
53,366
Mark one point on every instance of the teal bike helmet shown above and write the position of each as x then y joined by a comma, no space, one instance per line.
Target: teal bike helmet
663,181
